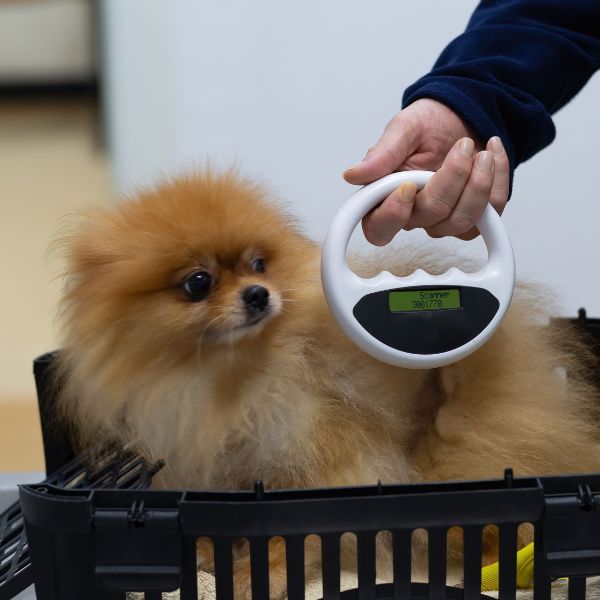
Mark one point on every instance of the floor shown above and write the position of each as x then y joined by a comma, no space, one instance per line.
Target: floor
51,164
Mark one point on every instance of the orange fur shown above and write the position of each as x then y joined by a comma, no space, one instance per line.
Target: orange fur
290,400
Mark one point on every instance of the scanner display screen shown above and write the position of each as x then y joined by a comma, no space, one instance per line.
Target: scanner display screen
417,300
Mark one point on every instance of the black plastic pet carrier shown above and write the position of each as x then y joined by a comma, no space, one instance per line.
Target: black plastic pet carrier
101,533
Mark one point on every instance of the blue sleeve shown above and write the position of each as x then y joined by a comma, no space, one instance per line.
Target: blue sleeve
517,63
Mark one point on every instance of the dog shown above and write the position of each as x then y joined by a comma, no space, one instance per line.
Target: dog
194,328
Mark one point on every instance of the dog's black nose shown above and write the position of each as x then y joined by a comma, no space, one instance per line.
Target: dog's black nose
256,297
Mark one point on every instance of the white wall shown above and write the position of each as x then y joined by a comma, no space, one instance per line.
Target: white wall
296,92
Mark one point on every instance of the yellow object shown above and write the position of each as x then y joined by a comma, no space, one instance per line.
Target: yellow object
490,574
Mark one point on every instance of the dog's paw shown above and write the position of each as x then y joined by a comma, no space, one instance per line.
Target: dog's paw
242,577
205,556
242,583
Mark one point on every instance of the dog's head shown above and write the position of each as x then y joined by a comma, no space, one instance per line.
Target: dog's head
195,267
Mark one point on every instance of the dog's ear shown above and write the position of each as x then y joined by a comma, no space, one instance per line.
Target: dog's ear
90,252
89,242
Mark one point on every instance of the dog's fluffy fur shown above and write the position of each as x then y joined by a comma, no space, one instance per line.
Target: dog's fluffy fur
289,399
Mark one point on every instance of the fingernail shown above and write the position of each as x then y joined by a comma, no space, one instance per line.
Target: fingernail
466,146
496,145
407,192
485,160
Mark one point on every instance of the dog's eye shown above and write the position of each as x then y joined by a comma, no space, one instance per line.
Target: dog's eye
197,286
259,265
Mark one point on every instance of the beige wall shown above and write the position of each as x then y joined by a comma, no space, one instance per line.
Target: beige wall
50,165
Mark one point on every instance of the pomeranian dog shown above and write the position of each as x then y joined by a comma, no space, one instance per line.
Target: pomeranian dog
195,328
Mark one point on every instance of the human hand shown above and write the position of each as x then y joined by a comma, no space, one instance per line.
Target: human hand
428,135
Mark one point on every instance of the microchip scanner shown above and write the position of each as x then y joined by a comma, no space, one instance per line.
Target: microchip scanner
420,321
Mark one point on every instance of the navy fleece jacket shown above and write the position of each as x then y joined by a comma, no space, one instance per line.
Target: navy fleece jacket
517,63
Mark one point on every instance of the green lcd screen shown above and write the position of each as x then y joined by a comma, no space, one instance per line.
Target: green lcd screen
414,300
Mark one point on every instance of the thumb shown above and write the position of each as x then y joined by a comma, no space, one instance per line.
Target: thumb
387,155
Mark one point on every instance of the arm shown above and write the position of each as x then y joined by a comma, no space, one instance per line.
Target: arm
517,63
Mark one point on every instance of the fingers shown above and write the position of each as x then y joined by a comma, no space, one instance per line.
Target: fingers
500,187
472,201
453,200
438,198
388,154
386,220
